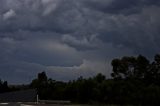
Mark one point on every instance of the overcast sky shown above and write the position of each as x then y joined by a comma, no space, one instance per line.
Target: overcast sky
72,38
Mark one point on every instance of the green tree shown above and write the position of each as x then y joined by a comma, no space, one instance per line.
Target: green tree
153,75
130,67
141,68
41,84
123,68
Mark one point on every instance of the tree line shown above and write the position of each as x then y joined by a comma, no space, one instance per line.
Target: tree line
135,80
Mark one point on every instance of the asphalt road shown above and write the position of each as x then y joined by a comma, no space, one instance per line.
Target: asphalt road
21,104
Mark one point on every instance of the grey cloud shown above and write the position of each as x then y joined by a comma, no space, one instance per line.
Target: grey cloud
9,14
29,15
125,7
69,73
136,31
18,72
45,52
83,43
39,15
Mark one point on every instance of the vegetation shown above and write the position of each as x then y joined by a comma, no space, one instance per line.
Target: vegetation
135,80
4,86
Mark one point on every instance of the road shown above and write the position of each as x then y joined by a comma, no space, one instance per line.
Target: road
21,104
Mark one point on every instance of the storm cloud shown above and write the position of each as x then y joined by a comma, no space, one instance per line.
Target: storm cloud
71,38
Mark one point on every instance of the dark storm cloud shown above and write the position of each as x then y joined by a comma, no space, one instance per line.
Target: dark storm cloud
78,37
120,6
31,15
114,6
138,31
83,43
